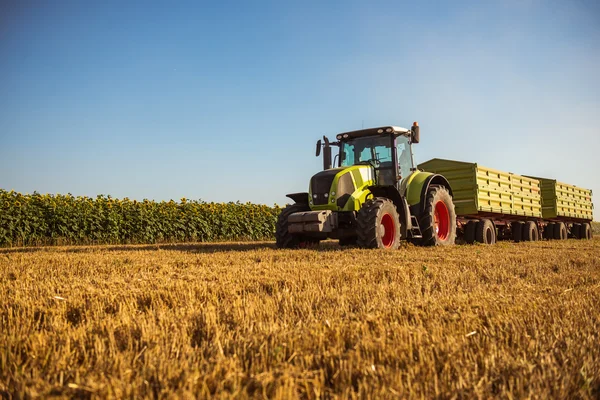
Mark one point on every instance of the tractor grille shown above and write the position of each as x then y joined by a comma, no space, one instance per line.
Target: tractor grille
320,184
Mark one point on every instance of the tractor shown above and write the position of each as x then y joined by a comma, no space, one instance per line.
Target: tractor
373,198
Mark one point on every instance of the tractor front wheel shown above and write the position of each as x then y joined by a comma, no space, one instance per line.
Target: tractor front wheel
347,241
286,240
438,221
378,225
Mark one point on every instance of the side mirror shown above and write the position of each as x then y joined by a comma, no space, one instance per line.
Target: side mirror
414,133
318,148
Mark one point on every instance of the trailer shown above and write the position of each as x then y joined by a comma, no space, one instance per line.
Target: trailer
495,205
567,209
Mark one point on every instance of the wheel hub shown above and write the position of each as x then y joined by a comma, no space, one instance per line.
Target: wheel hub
441,218
387,230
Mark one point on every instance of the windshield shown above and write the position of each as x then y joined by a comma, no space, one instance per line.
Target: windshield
366,150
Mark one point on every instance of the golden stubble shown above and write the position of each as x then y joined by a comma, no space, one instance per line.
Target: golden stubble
248,320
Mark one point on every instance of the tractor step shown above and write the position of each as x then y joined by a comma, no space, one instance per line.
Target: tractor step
415,231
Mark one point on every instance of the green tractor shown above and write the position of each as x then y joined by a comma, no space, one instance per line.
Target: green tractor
373,198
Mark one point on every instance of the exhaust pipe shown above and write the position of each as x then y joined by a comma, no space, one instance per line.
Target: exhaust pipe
326,154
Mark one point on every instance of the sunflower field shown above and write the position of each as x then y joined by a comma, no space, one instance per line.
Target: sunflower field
45,219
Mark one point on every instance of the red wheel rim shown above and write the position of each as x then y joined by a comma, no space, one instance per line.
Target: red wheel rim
442,220
389,231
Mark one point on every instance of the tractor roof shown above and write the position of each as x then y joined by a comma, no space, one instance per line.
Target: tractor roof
374,132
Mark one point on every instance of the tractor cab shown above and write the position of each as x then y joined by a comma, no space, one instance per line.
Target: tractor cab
383,154
388,150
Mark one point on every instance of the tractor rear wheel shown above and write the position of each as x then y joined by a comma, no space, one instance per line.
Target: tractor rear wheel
470,232
530,232
549,231
378,225
585,232
438,221
286,240
517,231
485,233
560,231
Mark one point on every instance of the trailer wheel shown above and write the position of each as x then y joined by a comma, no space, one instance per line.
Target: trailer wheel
286,240
560,231
470,232
585,232
486,233
438,221
575,229
530,232
517,231
549,231
378,225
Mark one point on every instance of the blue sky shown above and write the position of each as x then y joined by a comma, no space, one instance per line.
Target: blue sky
223,101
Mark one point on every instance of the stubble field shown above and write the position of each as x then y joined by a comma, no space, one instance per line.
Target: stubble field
247,320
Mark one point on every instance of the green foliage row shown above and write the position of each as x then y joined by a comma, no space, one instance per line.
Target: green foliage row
39,219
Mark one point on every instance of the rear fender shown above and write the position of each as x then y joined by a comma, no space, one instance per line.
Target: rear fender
418,187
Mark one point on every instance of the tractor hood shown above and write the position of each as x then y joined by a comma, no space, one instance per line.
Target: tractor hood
334,189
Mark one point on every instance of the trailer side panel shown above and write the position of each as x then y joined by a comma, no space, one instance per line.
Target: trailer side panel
561,201
479,190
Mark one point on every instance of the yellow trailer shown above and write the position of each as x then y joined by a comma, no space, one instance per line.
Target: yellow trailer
479,191
562,201
491,204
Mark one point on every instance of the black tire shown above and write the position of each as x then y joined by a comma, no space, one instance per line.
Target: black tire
438,202
470,232
286,240
530,232
575,229
485,233
586,232
560,231
517,231
378,225
348,241
549,231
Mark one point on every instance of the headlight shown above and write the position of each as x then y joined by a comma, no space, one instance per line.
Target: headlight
379,130
345,136
339,137
388,129
326,195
